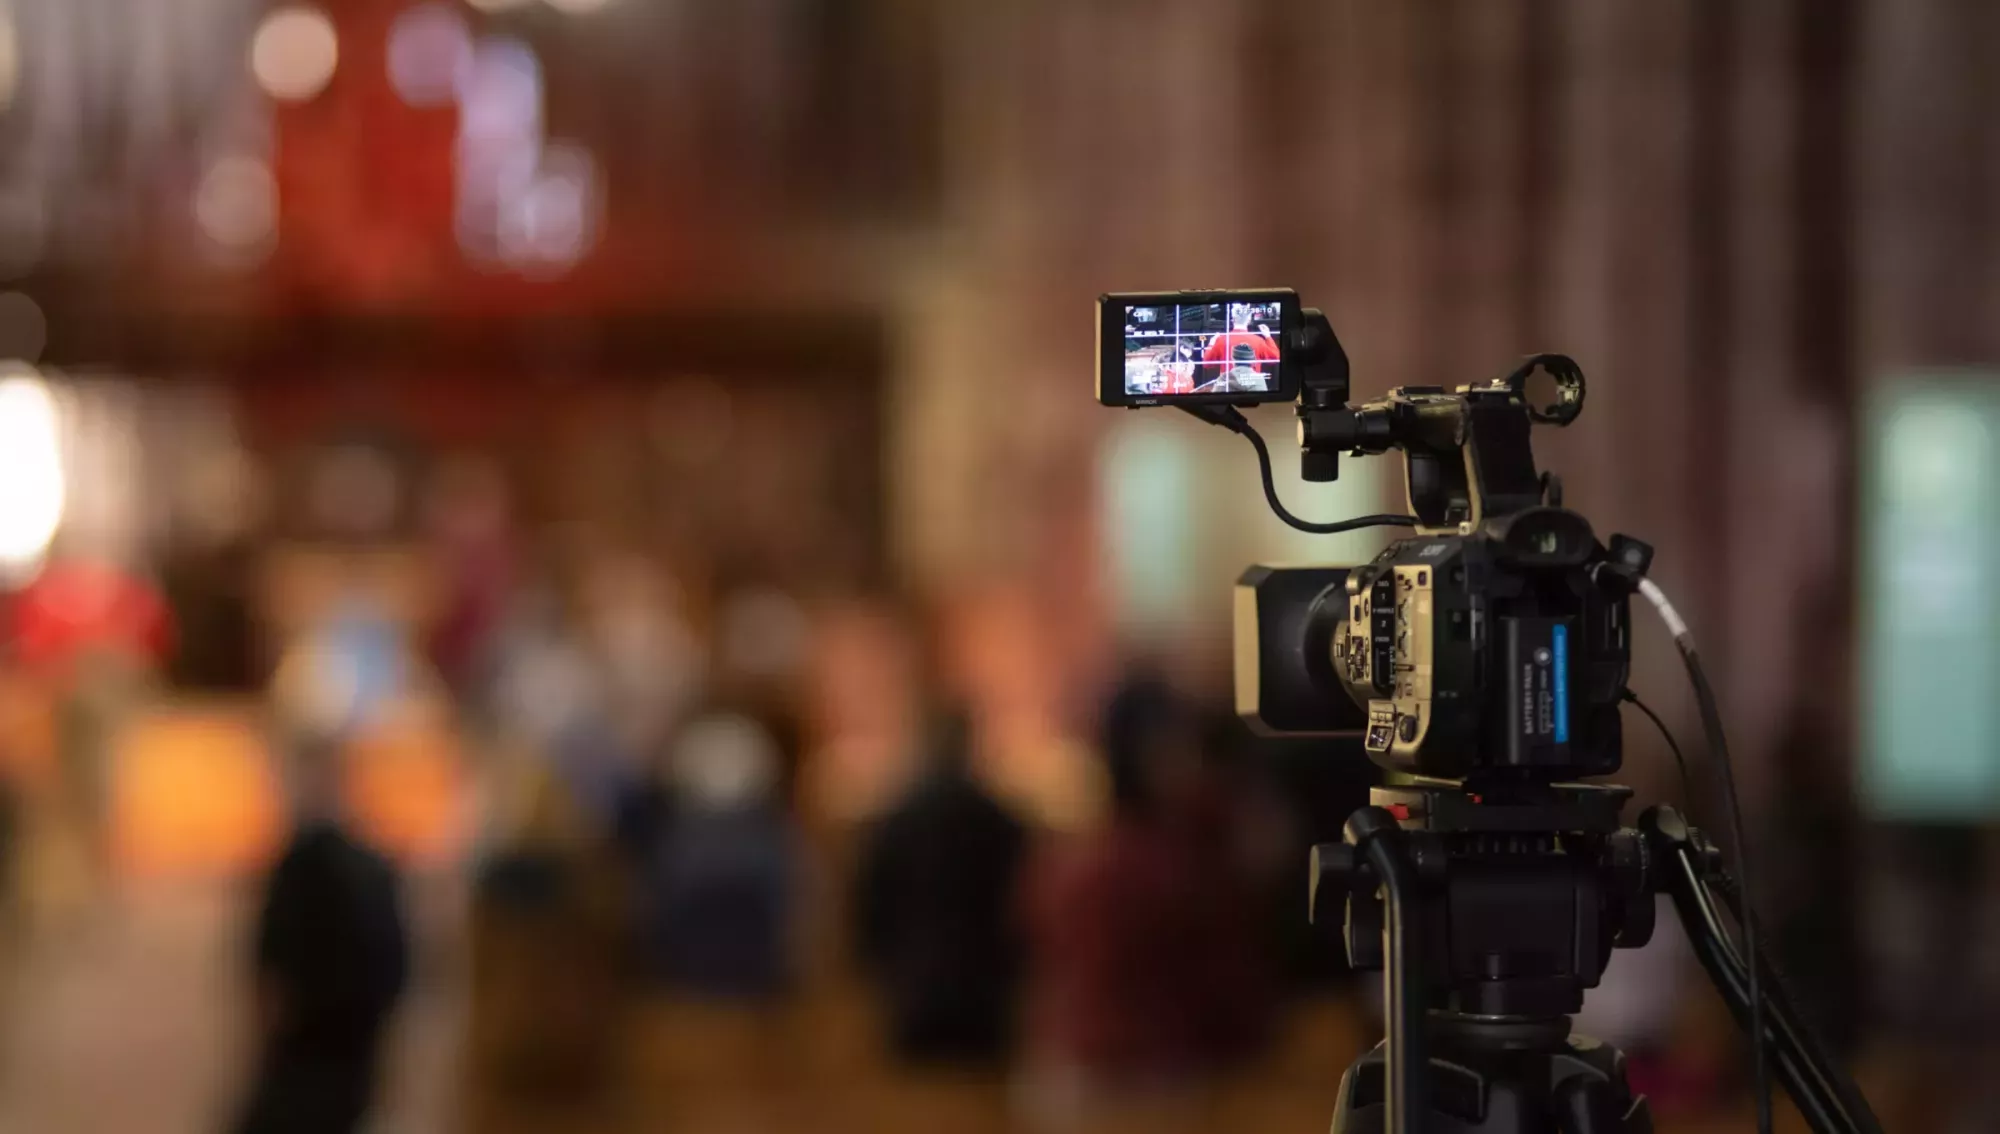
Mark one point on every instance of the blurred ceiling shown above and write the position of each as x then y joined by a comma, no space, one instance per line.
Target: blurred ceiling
162,158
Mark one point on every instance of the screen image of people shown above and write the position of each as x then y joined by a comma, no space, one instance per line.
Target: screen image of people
1202,348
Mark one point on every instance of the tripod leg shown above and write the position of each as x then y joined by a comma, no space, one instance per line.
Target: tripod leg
1586,1105
1593,1106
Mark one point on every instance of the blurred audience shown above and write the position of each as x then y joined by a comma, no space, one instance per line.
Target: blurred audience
934,911
1145,968
721,887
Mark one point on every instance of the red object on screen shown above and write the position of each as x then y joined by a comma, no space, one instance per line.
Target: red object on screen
82,605
1221,348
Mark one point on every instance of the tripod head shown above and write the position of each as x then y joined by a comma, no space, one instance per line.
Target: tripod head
1520,904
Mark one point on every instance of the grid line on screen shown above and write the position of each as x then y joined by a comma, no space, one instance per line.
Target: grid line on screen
1172,344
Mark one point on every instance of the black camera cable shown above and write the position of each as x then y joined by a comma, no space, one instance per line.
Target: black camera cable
1673,746
1232,419
1711,724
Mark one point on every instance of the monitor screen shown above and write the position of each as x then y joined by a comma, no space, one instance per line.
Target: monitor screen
1203,348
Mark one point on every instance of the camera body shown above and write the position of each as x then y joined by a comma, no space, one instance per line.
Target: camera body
1487,656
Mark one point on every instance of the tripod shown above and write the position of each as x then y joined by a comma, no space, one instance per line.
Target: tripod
1492,912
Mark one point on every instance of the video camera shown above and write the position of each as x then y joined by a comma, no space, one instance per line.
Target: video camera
1483,661
1495,643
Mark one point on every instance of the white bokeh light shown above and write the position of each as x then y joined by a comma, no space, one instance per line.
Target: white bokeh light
552,223
499,141
32,490
294,53
429,48
236,204
577,7
500,93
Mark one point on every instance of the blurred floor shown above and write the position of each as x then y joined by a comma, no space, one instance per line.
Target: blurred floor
127,1015
124,1014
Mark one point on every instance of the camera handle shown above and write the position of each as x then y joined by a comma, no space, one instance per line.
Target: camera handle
1466,453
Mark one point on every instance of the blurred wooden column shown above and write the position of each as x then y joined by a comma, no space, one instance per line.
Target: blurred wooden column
1343,219
1778,390
1092,146
1926,185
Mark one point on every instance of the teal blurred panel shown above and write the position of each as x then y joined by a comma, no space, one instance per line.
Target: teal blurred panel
1929,679
1150,479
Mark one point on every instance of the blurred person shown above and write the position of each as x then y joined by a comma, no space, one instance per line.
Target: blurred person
1146,976
862,684
547,694
469,516
546,1018
94,633
331,960
722,885
763,640
934,905
1300,794
998,653
633,617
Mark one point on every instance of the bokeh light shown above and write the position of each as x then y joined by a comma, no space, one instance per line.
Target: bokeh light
553,222
500,92
236,204
294,53
577,7
32,488
503,209
429,48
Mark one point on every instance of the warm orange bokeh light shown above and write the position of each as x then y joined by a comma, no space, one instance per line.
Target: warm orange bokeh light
407,792
193,794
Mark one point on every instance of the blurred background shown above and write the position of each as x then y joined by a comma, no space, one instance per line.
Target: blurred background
561,571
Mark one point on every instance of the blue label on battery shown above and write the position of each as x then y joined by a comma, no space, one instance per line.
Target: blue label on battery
1559,638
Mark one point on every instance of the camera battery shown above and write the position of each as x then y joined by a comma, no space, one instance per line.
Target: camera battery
1537,665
